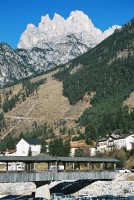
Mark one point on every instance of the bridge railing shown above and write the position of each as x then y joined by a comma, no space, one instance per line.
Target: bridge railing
33,176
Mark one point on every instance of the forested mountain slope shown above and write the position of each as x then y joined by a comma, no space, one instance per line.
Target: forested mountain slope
108,71
37,108
96,86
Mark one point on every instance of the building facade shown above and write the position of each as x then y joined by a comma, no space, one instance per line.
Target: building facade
113,142
26,146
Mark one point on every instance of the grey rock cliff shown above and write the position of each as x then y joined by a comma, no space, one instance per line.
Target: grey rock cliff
57,41
52,43
12,66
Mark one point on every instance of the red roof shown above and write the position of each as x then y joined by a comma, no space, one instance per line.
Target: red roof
76,145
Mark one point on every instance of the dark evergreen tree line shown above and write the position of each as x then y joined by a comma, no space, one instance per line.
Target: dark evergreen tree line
2,122
58,148
108,71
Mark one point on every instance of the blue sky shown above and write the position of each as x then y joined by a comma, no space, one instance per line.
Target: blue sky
16,14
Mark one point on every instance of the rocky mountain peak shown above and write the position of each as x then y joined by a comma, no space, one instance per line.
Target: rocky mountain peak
53,42
80,19
56,30
30,26
45,21
57,17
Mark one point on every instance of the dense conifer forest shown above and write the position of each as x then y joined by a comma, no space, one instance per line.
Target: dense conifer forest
108,71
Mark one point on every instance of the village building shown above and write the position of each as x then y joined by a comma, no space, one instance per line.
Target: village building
113,142
27,147
87,148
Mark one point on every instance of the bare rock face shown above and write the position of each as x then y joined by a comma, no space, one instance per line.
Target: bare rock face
52,43
58,29
12,66
60,39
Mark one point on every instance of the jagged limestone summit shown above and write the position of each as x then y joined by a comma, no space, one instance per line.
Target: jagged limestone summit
55,42
76,28
52,43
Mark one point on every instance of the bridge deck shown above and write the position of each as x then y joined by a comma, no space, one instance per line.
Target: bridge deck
34,176
13,177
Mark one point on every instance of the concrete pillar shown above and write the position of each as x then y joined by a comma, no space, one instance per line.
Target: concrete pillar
88,166
73,166
64,166
102,166
114,166
43,191
105,166
48,165
29,166
79,166
56,164
34,168
15,166
92,166
26,167
7,166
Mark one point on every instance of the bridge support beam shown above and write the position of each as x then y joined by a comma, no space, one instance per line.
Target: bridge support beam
42,190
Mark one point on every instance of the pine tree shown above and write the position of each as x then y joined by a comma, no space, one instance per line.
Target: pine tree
43,145
79,152
29,152
67,148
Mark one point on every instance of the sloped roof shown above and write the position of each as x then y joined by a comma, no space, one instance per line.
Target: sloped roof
115,137
122,136
33,141
44,158
76,145
102,139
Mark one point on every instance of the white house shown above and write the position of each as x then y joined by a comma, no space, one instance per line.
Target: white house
115,142
125,141
25,145
102,145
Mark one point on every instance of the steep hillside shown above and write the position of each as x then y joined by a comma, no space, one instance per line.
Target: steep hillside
52,43
80,100
12,66
107,70
55,42
130,101
77,29
47,105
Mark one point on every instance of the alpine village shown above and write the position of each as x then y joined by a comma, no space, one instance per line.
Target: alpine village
70,97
